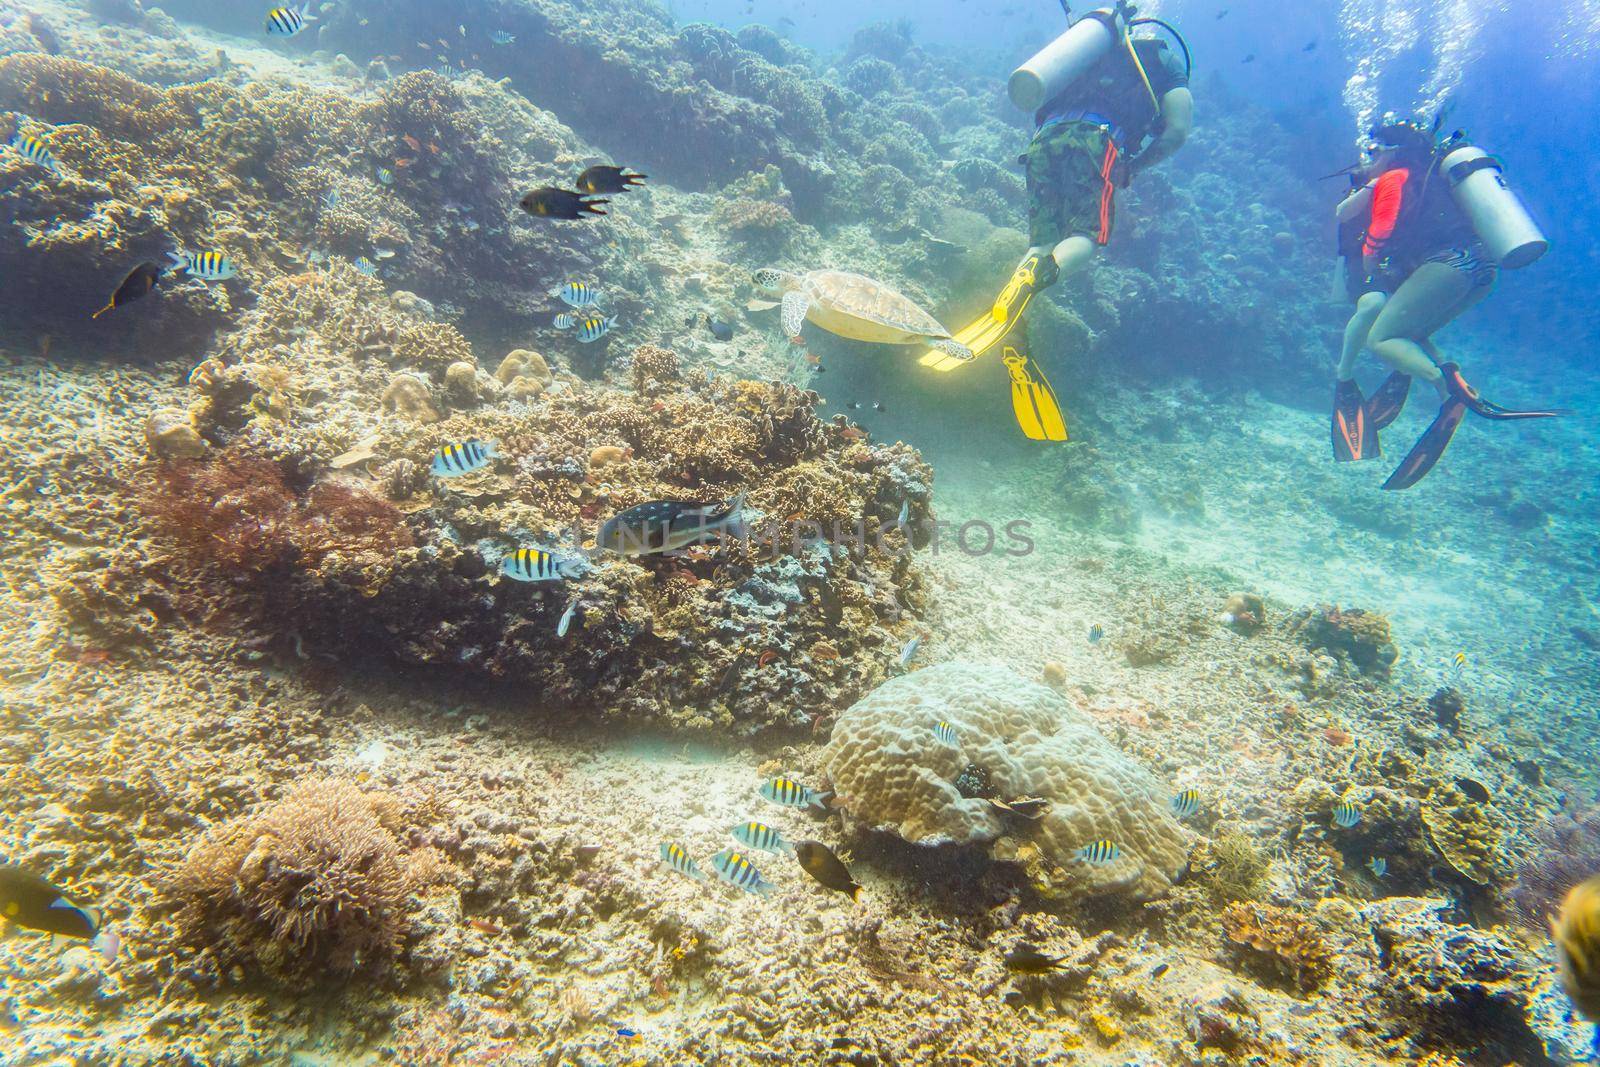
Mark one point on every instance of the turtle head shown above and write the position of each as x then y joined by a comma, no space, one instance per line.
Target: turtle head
771,282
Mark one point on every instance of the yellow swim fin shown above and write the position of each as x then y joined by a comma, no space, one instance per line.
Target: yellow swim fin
994,325
1032,399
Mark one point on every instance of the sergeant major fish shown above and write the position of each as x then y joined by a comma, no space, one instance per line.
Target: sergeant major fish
669,525
674,856
760,835
791,794
1346,814
595,327
207,266
537,565
34,151
289,21
732,867
946,733
1099,853
457,459
1186,803
577,294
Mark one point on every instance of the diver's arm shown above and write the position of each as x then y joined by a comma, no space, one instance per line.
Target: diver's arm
1355,204
1177,119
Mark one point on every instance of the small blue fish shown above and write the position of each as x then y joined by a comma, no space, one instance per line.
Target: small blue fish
791,794
1186,803
909,652
331,199
627,1033
1099,853
289,21
566,619
946,733
501,37
760,835
595,327
34,151
464,458
1096,632
207,266
365,266
675,857
385,176
722,331
734,869
577,294
565,320
1346,814
1378,866
537,565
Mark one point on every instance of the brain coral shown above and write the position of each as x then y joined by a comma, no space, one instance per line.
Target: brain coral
891,772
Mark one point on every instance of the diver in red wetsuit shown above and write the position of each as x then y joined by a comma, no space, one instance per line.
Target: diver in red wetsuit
1421,265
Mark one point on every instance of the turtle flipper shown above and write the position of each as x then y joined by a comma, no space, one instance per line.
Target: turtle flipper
953,349
795,308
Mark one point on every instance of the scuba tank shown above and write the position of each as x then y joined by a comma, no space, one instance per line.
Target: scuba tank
1067,58
1477,180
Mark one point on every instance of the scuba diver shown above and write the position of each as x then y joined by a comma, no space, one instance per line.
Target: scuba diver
1106,106
1439,224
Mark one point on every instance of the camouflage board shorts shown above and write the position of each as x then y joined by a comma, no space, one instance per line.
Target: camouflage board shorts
1069,184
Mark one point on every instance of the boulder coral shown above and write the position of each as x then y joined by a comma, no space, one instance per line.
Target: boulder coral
891,772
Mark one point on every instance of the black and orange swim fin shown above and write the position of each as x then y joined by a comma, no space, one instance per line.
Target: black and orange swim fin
1385,405
1354,435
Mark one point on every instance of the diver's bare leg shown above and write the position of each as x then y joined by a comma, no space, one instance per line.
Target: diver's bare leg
1433,296
1357,330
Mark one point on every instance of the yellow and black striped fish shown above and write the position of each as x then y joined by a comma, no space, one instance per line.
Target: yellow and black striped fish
536,565
760,835
734,869
207,266
1099,853
289,21
674,856
946,733
791,794
595,327
454,460
1346,814
34,151
1185,803
577,294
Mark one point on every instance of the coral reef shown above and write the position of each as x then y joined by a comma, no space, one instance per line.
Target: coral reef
1287,940
1360,637
1231,867
313,888
892,773
1562,852
321,365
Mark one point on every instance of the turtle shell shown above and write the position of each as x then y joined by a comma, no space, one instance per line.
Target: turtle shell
857,297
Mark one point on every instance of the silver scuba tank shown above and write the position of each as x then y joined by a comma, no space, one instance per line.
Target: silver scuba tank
1503,224
1065,60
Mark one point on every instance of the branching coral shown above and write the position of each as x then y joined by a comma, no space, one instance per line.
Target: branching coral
1286,941
313,887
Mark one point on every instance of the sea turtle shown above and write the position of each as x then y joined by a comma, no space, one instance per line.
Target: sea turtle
854,307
